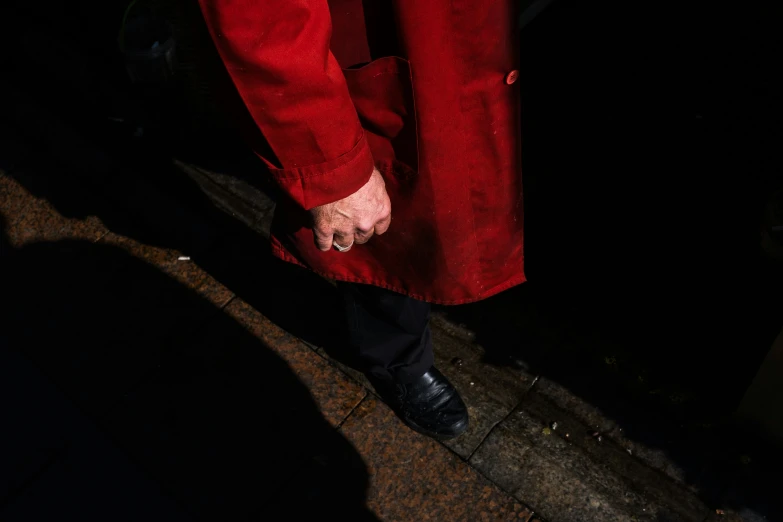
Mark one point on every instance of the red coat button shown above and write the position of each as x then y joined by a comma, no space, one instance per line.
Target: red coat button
512,77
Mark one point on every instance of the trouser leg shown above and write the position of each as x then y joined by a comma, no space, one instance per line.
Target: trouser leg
389,333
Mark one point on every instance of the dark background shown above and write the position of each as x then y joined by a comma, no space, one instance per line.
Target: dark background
649,158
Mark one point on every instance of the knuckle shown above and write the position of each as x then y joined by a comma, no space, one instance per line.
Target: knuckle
365,226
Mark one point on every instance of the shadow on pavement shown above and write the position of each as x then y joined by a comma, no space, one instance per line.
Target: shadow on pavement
219,426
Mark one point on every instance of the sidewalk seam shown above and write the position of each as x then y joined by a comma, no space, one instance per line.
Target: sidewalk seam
366,394
511,412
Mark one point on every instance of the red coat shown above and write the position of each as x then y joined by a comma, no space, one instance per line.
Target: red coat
420,88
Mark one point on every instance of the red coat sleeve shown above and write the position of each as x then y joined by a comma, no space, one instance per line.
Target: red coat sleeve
277,54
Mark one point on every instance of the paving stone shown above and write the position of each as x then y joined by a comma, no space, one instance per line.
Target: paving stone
93,317
599,421
414,478
550,484
567,474
615,457
38,421
92,482
55,465
37,222
351,372
40,221
233,195
95,379
490,392
234,412
656,458
335,394
13,198
168,261
579,408
30,216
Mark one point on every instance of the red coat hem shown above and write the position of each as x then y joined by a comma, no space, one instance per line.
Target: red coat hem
281,253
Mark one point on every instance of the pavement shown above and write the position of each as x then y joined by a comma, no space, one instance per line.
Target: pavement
140,381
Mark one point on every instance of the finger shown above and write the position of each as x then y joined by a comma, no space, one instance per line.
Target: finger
323,240
344,240
364,230
383,224
363,236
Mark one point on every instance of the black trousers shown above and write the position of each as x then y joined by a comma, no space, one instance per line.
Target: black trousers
388,333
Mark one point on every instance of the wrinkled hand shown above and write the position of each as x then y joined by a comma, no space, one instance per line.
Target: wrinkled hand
355,218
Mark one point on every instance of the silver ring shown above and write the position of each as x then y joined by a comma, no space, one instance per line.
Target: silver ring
341,248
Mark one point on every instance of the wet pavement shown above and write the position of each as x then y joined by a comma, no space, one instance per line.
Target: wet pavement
140,381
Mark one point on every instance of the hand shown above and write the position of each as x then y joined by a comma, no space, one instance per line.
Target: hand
355,218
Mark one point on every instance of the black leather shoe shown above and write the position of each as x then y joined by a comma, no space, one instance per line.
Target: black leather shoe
429,405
